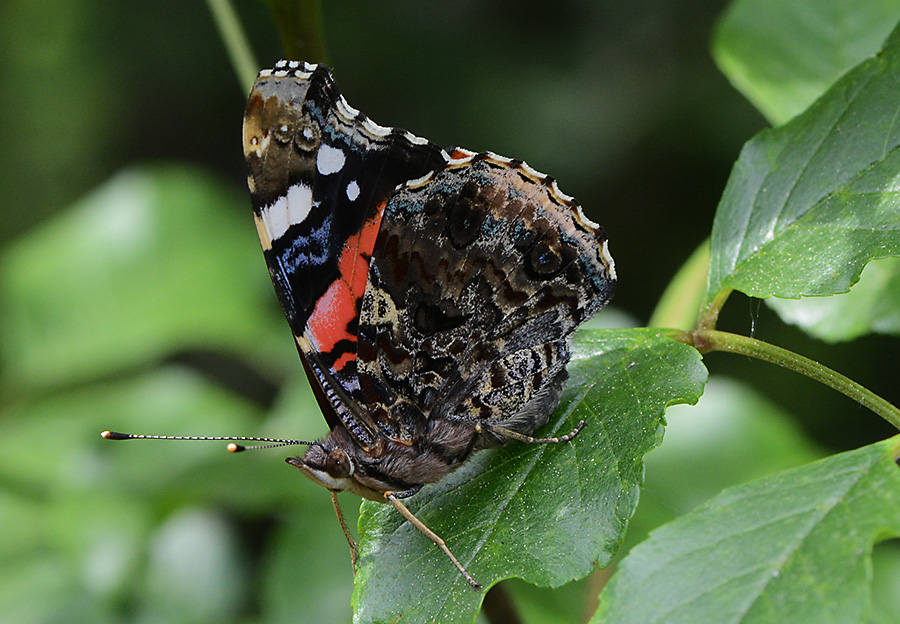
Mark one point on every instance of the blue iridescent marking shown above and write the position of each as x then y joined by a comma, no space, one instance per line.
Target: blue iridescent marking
310,250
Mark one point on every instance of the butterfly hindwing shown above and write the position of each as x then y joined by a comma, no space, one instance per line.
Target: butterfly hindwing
479,276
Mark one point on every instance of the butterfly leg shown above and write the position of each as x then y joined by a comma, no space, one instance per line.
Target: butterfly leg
515,435
345,529
394,498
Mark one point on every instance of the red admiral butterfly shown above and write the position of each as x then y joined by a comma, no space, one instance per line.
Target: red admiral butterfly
431,293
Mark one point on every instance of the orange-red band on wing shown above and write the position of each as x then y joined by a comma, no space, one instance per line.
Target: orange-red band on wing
337,309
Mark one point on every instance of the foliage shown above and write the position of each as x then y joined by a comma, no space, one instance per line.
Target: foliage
525,505
759,552
145,305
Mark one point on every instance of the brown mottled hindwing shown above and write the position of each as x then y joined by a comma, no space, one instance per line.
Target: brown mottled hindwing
479,276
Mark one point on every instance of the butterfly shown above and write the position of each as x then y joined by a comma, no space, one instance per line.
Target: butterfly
431,293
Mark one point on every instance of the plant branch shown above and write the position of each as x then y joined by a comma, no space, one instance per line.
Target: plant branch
705,340
300,24
710,314
235,41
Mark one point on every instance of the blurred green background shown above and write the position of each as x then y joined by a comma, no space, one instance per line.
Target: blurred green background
133,295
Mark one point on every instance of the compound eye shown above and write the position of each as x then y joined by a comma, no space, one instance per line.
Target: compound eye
338,465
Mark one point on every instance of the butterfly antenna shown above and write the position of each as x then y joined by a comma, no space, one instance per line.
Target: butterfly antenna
232,448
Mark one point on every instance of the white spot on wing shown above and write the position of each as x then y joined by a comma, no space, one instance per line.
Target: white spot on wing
353,191
291,209
330,160
274,218
299,203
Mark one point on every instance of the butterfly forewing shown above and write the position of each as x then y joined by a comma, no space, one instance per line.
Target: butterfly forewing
320,174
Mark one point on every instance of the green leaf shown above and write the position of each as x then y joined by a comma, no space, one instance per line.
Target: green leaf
784,55
871,306
569,604
93,529
84,515
733,434
544,513
307,576
794,547
886,582
157,260
194,572
810,203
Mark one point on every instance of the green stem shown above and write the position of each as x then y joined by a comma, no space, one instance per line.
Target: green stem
300,24
710,314
235,41
705,340
680,302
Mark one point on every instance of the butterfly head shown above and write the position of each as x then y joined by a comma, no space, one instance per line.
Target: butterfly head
337,469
